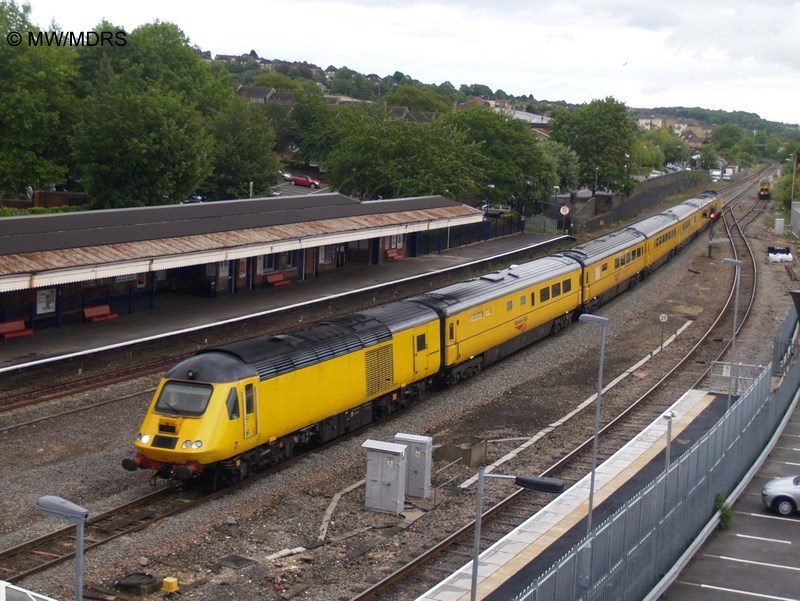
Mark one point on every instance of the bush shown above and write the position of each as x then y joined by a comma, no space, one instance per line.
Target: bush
725,510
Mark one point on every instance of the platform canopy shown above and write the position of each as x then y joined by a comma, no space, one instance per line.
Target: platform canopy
51,249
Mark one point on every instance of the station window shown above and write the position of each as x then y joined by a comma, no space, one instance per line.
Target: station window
326,255
422,343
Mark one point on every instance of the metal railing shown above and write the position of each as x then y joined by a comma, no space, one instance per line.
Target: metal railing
626,557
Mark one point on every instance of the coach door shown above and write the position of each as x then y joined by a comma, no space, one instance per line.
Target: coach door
420,354
250,412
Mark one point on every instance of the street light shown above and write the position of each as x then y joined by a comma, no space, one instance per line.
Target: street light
738,265
556,189
603,323
490,187
551,485
65,510
668,416
594,190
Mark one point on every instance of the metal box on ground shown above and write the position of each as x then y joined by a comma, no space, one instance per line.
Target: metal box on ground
418,464
470,449
386,476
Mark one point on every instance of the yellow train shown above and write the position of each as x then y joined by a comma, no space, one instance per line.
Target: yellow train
765,189
234,409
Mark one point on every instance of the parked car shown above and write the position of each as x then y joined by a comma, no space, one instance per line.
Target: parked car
654,173
304,180
782,495
285,175
495,210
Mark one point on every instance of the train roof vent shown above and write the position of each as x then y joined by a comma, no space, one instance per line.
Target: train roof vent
495,276
309,357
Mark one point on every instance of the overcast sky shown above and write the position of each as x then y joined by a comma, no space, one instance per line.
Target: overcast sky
716,54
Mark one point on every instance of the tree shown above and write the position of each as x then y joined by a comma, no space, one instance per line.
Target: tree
602,137
144,137
350,83
141,145
708,157
673,149
419,99
511,157
384,156
243,152
727,136
36,107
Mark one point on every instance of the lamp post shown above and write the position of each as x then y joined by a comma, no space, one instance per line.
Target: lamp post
65,510
738,265
668,416
594,190
551,485
555,198
490,187
603,323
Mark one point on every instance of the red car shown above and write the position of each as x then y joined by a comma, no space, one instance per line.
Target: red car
304,180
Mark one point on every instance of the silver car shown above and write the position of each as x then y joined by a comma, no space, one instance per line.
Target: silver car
782,495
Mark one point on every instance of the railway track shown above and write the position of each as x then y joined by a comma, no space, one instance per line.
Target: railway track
450,554
99,537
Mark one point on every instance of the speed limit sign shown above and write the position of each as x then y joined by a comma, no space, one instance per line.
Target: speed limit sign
663,318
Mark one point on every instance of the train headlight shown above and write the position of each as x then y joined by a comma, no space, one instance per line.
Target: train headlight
197,444
143,438
186,444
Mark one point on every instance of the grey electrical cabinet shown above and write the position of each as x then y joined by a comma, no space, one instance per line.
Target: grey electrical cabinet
418,464
386,476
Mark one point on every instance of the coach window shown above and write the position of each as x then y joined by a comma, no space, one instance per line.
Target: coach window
605,266
422,344
233,404
509,305
522,300
544,294
566,285
452,331
533,299
556,290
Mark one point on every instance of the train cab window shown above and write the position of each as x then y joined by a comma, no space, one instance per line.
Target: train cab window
183,398
556,289
249,399
566,286
509,305
422,343
452,331
232,404
544,294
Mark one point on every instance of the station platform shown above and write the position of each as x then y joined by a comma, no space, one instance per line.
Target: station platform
510,565
180,313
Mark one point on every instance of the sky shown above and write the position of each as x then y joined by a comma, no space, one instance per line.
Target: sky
729,55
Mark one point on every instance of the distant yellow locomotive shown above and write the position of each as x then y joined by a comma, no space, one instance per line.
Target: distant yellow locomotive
237,408
765,189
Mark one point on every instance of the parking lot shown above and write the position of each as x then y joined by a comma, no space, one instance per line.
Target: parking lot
758,555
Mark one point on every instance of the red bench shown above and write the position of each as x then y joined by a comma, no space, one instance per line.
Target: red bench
277,279
99,313
394,254
12,329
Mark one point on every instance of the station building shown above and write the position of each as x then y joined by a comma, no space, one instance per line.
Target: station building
55,266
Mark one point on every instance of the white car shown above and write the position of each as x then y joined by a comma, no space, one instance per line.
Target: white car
654,173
